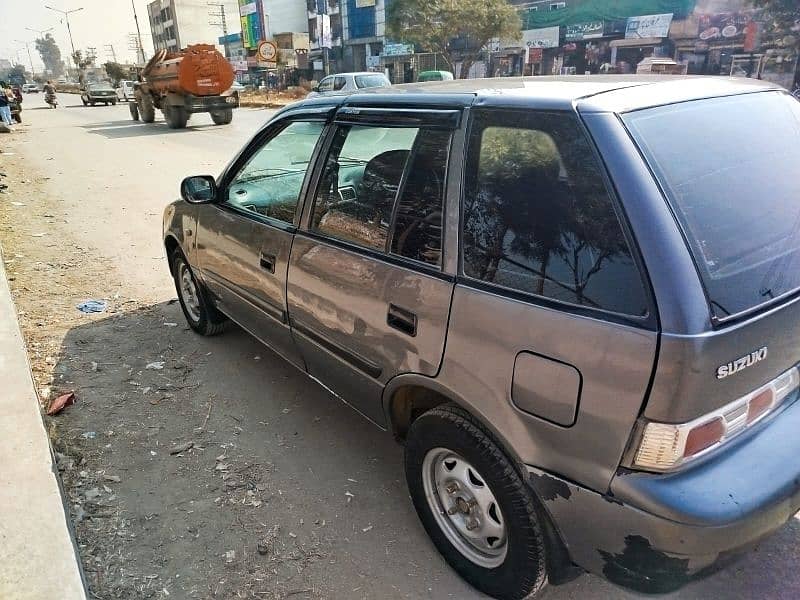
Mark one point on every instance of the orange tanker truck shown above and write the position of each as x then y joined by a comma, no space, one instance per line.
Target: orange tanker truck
179,84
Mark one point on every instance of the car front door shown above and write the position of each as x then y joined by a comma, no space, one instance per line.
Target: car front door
244,240
367,295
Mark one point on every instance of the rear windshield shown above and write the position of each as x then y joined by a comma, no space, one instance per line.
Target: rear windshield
731,170
367,81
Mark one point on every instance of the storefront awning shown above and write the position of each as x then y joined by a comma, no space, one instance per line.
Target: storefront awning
636,42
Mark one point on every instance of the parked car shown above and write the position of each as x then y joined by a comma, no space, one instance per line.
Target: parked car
591,359
30,88
435,76
347,83
125,91
98,92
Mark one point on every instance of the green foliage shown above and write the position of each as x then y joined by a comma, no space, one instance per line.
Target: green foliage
783,14
81,62
434,24
51,55
116,72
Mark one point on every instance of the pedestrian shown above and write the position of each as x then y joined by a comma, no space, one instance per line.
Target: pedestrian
5,105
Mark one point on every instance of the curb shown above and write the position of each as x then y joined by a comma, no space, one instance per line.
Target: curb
38,555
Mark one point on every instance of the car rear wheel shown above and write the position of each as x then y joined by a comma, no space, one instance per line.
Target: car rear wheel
200,314
474,504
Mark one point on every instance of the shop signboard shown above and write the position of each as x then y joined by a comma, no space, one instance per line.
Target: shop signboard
583,31
240,66
615,27
535,55
546,37
730,25
324,31
648,26
364,3
373,61
252,29
393,49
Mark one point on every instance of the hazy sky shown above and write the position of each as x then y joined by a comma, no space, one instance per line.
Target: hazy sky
100,23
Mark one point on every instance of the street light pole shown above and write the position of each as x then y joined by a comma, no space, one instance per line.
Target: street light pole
28,48
66,14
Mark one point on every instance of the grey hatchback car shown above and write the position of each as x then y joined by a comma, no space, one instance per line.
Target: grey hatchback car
575,301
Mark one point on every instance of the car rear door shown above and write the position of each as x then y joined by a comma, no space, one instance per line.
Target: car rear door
244,240
367,295
553,332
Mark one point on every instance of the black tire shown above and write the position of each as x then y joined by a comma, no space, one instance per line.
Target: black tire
113,103
146,108
176,116
203,318
222,117
523,570
133,108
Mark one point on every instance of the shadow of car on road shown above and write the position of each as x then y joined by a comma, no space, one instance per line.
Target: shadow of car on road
275,459
129,128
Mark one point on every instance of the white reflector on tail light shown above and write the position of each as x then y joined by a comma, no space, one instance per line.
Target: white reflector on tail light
664,446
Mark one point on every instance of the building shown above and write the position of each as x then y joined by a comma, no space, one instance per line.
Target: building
176,24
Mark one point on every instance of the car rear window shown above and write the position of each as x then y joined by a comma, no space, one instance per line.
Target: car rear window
730,168
367,81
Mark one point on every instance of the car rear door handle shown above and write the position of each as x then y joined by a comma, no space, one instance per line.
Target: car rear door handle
402,320
267,262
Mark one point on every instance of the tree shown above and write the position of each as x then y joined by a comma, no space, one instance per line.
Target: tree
435,24
116,72
784,15
80,61
51,54
16,75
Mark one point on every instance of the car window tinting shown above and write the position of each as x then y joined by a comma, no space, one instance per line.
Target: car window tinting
269,183
729,167
368,81
362,175
538,218
418,213
338,83
326,85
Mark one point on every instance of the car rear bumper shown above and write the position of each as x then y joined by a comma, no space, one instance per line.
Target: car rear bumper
654,533
197,104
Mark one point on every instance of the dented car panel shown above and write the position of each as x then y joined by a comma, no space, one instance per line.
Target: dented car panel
659,531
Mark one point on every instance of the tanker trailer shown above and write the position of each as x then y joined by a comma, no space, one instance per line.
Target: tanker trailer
194,80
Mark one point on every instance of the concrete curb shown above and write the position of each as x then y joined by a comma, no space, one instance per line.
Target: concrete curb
38,558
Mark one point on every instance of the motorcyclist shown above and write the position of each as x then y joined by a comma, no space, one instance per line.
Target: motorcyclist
49,92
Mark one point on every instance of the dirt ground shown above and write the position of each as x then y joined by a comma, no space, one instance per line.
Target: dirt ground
208,467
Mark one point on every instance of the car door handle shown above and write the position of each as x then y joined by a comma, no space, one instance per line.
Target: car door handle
402,320
267,262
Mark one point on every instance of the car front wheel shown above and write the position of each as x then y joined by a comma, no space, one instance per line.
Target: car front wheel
200,314
474,505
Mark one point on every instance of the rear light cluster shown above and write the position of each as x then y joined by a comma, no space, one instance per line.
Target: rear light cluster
664,446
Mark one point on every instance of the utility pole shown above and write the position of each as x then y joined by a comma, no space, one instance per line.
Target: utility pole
140,49
220,14
28,48
66,14
109,48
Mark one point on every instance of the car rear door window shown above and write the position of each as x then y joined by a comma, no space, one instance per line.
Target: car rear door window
538,218
326,85
339,83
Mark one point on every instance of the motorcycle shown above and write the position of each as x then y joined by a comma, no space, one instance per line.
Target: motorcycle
51,99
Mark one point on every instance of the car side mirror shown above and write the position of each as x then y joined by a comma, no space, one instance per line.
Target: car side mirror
199,189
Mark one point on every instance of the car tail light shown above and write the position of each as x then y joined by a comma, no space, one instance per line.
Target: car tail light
666,446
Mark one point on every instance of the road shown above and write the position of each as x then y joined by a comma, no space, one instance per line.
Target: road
276,460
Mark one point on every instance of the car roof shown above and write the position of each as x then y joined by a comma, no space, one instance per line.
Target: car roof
589,93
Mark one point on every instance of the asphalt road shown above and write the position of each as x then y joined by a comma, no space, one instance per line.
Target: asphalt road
111,178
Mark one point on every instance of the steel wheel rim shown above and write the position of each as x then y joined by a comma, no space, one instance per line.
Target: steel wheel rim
465,507
188,290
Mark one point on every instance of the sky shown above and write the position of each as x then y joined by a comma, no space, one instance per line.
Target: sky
100,23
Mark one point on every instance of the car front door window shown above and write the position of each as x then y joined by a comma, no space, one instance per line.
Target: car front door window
326,85
270,182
